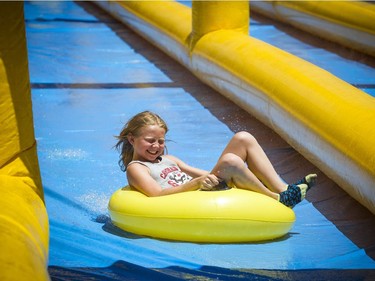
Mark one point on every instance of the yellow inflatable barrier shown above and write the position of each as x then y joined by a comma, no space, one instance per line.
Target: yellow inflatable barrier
350,23
23,218
326,119
175,28
224,216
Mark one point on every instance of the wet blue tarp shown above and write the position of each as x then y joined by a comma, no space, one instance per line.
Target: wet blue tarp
89,77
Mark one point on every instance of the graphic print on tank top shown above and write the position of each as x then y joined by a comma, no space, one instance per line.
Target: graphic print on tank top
175,176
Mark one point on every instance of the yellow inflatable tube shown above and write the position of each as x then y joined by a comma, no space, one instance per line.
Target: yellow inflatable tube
23,218
225,216
350,23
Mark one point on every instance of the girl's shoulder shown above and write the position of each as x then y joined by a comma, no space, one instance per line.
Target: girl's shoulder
170,158
135,164
176,161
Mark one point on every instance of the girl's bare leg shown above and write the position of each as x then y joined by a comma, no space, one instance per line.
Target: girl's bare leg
232,169
261,172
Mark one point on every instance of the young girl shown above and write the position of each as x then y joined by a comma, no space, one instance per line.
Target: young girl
141,144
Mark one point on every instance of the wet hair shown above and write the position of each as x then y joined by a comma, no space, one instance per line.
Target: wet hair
133,127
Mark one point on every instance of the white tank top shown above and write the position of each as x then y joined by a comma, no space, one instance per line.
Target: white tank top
165,172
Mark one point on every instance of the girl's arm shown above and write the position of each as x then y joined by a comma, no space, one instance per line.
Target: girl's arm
139,177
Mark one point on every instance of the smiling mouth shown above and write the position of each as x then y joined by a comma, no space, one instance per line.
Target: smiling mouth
153,152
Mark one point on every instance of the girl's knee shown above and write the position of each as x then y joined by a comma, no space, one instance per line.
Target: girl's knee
230,159
245,138
228,164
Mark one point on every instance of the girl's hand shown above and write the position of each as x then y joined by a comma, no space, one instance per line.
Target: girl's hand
208,182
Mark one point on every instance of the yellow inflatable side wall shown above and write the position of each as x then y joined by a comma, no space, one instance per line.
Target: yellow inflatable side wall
350,23
170,33
326,119
23,219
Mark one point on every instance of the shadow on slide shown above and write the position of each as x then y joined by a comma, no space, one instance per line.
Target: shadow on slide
122,270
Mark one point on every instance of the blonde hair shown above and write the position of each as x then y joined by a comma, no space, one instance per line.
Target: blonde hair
133,127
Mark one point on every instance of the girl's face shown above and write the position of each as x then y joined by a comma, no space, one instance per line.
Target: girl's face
149,144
